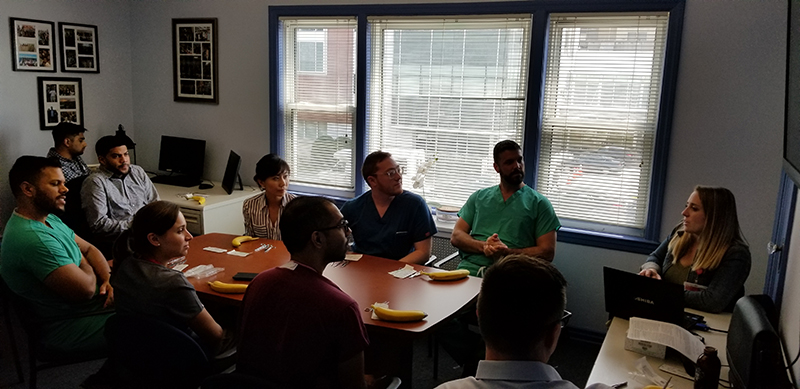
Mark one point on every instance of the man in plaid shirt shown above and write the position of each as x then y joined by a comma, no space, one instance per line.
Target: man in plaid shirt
69,146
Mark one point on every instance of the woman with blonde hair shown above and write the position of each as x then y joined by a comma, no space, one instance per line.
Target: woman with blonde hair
706,252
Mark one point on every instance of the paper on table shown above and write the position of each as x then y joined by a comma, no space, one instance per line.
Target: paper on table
180,267
202,271
352,257
384,304
403,272
647,371
667,334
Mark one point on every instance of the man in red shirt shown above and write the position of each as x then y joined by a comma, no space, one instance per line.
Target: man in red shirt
298,329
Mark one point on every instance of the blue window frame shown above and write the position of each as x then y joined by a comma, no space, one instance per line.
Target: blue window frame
643,241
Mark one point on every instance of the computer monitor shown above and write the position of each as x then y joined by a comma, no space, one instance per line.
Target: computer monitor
182,156
232,172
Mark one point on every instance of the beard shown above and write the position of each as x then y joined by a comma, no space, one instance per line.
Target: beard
515,178
45,203
115,170
336,254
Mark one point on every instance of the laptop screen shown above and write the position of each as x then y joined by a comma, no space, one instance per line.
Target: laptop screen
629,294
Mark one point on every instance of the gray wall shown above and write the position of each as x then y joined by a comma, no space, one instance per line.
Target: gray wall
107,96
727,125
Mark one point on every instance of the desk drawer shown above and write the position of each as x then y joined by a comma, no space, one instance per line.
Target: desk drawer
194,220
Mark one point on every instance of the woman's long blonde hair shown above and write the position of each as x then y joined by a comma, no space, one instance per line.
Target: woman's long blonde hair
720,232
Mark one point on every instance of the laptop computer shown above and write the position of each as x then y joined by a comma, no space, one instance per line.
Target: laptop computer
629,294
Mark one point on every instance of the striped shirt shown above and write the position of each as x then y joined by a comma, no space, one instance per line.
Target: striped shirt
256,216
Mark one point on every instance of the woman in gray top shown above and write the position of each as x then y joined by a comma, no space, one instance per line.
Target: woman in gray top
146,285
706,252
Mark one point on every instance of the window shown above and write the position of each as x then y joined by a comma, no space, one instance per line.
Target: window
442,93
585,93
600,108
311,50
317,90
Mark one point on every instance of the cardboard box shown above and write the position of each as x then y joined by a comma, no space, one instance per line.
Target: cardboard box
646,348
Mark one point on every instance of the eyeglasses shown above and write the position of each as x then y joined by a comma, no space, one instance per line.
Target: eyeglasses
343,224
392,173
565,318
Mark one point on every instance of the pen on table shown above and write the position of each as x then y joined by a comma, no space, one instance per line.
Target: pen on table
262,247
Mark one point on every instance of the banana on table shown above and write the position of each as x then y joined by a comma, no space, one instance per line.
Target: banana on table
224,287
237,241
451,275
397,315
382,313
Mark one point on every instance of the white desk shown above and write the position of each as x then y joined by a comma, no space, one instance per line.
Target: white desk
222,212
614,362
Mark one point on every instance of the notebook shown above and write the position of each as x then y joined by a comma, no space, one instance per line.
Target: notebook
629,294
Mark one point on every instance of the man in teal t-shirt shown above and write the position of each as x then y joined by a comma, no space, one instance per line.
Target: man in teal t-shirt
510,218
55,272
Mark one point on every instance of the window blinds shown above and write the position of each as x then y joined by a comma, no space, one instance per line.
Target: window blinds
318,100
600,108
441,93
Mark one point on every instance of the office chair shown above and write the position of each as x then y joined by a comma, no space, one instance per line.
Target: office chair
449,261
12,339
73,215
39,357
151,353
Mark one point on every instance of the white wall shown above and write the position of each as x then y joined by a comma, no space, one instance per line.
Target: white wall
727,127
107,96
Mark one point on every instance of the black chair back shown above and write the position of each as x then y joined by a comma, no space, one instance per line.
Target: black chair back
5,295
39,356
73,215
151,353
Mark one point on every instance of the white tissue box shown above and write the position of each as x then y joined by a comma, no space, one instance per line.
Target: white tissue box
646,348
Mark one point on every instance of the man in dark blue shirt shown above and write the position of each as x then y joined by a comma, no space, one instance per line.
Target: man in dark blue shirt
387,221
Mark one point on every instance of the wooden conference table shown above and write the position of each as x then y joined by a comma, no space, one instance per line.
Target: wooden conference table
367,281
614,363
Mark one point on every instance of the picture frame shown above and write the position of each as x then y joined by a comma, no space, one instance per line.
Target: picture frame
194,60
32,45
60,99
79,48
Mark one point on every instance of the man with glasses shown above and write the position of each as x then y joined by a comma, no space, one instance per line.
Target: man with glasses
510,218
387,221
521,313
297,328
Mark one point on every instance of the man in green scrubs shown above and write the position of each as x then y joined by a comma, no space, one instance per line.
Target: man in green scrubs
510,218
54,271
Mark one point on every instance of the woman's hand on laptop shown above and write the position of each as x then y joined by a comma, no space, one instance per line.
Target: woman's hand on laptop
651,273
